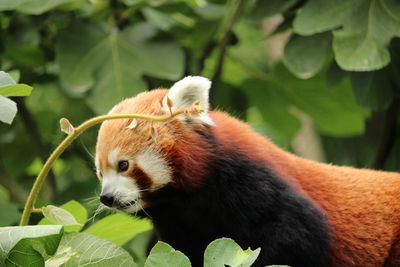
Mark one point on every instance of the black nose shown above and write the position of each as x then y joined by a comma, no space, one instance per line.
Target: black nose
107,199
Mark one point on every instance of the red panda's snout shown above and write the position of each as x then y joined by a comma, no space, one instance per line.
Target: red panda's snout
129,162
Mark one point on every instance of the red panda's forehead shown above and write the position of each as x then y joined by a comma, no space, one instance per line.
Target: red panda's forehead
114,134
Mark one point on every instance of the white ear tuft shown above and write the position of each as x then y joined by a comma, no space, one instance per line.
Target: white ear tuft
186,92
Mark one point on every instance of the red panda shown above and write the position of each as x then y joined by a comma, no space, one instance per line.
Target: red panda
210,175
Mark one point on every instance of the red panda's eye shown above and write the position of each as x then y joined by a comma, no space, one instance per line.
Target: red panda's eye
123,165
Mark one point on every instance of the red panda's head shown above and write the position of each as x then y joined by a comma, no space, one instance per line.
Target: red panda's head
132,161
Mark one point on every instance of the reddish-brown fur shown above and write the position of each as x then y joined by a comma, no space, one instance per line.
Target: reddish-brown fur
362,206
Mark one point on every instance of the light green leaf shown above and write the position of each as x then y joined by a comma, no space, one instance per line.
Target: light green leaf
119,228
110,63
8,87
163,255
319,15
75,209
225,251
91,251
9,213
161,20
25,245
58,215
16,90
361,45
304,56
62,255
35,7
365,29
8,109
6,79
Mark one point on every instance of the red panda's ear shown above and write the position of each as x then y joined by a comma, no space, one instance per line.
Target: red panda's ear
186,92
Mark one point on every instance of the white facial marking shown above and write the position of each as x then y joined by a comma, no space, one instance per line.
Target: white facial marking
187,91
152,163
122,188
113,157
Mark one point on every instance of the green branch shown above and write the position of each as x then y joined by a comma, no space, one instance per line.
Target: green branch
73,134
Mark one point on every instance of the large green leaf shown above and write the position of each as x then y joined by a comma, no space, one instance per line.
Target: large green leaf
226,252
304,56
76,210
334,112
89,250
8,109
28,245
366,28
119,228
163,255
110,63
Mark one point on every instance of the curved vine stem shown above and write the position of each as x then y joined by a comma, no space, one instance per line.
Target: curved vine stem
29,205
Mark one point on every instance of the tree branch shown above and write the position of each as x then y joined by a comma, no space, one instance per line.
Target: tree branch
224,45
388,136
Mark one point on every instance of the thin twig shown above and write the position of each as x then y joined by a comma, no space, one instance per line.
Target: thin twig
388,136
224,45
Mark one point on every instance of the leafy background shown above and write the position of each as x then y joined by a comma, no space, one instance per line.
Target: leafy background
319,78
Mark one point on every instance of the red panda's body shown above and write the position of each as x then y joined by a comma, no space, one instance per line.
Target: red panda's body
210,177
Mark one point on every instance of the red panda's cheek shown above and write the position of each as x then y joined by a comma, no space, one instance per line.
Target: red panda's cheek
153,170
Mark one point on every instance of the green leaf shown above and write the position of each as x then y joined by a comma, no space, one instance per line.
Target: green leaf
161,20
8,87
28,245
16,90
119,228
58,215
365,29
334,75
110,63
163,255
319,15
372,89
62,255
6,79
8,109
271,7
89,250
304,56
225,251
9,214
75,209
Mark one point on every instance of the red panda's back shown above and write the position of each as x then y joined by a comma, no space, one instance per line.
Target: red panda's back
362,206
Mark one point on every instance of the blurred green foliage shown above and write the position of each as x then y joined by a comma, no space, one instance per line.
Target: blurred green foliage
280,65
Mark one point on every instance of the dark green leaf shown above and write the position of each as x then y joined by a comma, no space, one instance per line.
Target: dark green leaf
304,56
372,89
334,75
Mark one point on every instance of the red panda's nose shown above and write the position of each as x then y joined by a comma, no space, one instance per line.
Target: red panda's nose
107,199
